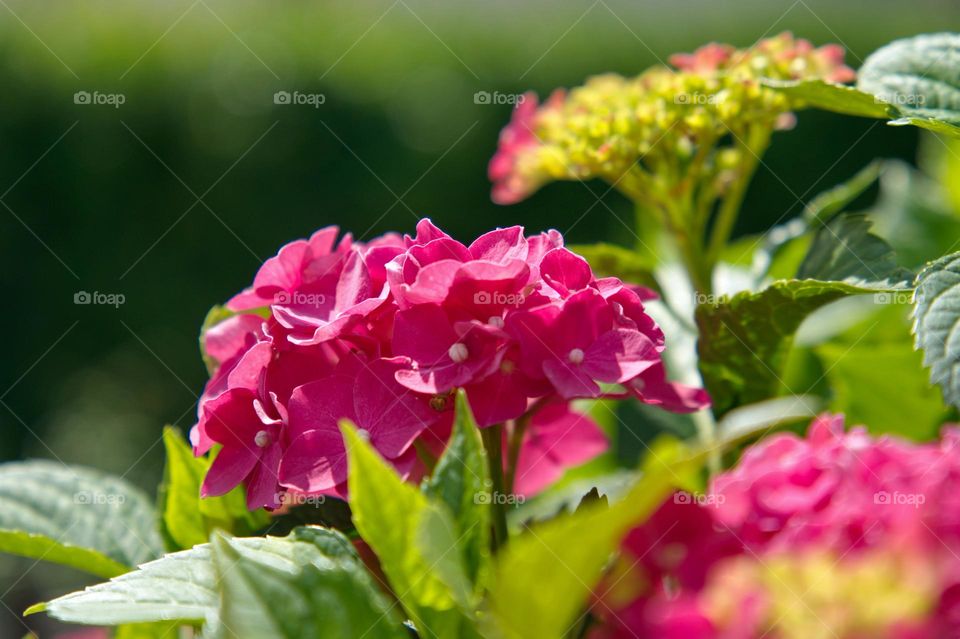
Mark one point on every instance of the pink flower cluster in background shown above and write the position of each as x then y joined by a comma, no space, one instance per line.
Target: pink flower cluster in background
837,534
383,332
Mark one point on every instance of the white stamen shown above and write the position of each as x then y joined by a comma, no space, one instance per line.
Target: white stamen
262,439
496,321
458,352
575,356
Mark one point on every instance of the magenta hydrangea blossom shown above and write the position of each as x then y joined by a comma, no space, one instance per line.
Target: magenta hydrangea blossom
847,515
383,332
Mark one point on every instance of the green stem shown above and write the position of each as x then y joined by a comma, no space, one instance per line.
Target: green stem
516,440
758,138
493,442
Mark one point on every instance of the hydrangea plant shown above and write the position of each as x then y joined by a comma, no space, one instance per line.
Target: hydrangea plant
385,444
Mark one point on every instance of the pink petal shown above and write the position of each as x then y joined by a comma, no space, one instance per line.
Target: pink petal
231,466
500,245
263,484
565,271
619,355
315,462
232,336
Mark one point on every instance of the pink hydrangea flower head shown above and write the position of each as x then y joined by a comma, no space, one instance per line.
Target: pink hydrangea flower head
383,332
861,528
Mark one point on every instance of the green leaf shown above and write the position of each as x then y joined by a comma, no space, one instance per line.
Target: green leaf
845,250
413,539
936,318
744,340
930,124
460,477
919,75
182,586
187,519
756,419
837,98
913,81
545,575
160,630
76,517
876,359
610,260
334,598
830,203
782,248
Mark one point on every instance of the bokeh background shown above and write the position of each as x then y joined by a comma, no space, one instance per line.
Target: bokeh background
174,197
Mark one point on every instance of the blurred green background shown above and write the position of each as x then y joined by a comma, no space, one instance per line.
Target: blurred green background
174,197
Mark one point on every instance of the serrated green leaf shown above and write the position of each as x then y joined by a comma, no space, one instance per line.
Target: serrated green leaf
844,250
405,530
187,519
545,575
336,600
461,475
76,517
919,75
744,339
610,260
936,317
182,586
837,98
